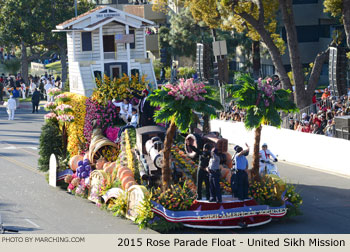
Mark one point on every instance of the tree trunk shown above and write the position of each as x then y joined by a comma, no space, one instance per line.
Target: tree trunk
346,20
206,125
256,163
294,55
63,57
256,59
166,172
315,75
272,48
24,63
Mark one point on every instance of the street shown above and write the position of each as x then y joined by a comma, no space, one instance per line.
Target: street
30,205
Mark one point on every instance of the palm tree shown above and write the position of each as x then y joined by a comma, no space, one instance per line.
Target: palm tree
177,103
262,102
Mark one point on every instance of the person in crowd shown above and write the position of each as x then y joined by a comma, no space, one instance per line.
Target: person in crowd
125,109
306,128
326,94
131,124
32,86
214,176
162,75
15,94
23,89
1,90
48,86
291,123
11,107
35,100
146,111
202,172
296,125
173,74
239,178
265,156
276,80
305,117
330,129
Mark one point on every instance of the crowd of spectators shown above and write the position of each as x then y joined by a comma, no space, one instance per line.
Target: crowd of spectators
321,120
233,113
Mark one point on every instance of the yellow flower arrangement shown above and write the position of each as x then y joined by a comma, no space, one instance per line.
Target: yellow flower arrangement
76,128
124,87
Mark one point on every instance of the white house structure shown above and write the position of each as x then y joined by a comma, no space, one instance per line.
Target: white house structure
105,40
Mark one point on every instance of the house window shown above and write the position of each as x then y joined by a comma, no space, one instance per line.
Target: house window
108,43
86,41
132,45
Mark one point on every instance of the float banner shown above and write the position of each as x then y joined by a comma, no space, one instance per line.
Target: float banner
220,214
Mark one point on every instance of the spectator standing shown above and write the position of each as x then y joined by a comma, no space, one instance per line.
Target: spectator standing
11,107
173,75
47,87
23,89
35,100
326,94
146,111
1,90
276,80
15,94
162,75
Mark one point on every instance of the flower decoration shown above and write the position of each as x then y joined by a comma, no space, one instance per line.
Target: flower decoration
112,133
54,91
62,98
65,118
50,117
64,108
50,106
187,89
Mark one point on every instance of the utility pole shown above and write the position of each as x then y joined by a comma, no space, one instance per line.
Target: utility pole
76,7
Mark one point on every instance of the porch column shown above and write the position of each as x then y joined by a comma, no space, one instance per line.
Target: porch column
102,56
128,51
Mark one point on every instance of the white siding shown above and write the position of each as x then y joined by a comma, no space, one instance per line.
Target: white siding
147,69
139,51
113,29
70,46
75,80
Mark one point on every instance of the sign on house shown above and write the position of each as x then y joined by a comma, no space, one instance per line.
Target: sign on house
124,38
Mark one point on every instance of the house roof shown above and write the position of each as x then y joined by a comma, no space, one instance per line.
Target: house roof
99,9
80,16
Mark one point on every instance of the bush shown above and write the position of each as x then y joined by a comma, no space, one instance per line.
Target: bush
50,142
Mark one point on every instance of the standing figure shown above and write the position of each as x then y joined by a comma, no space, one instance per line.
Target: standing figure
35,100
23,89
146,111
173,75
214,177
15,94
241,184
202,173
11,107
48,86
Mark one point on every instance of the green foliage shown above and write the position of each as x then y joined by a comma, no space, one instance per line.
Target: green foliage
12,66
334,7
175,198
186,72
293,201
181,110
144,212
50,142
119,205
261,100
157,66
161,225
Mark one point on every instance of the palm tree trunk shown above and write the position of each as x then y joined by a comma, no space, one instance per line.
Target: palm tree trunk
255,171
166,172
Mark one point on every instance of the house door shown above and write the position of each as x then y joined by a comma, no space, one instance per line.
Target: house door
116,72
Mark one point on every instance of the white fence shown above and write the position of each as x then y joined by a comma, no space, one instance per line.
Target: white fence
321,152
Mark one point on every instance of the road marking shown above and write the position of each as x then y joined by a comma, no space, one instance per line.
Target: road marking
14,161
15,148
35,225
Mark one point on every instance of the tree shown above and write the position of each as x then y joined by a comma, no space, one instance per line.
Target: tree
57,12
177,103
21,25
340,9
258,19
262,103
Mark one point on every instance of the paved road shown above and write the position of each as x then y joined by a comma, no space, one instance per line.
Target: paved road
28,204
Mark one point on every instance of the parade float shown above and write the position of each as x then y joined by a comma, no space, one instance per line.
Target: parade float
149,176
